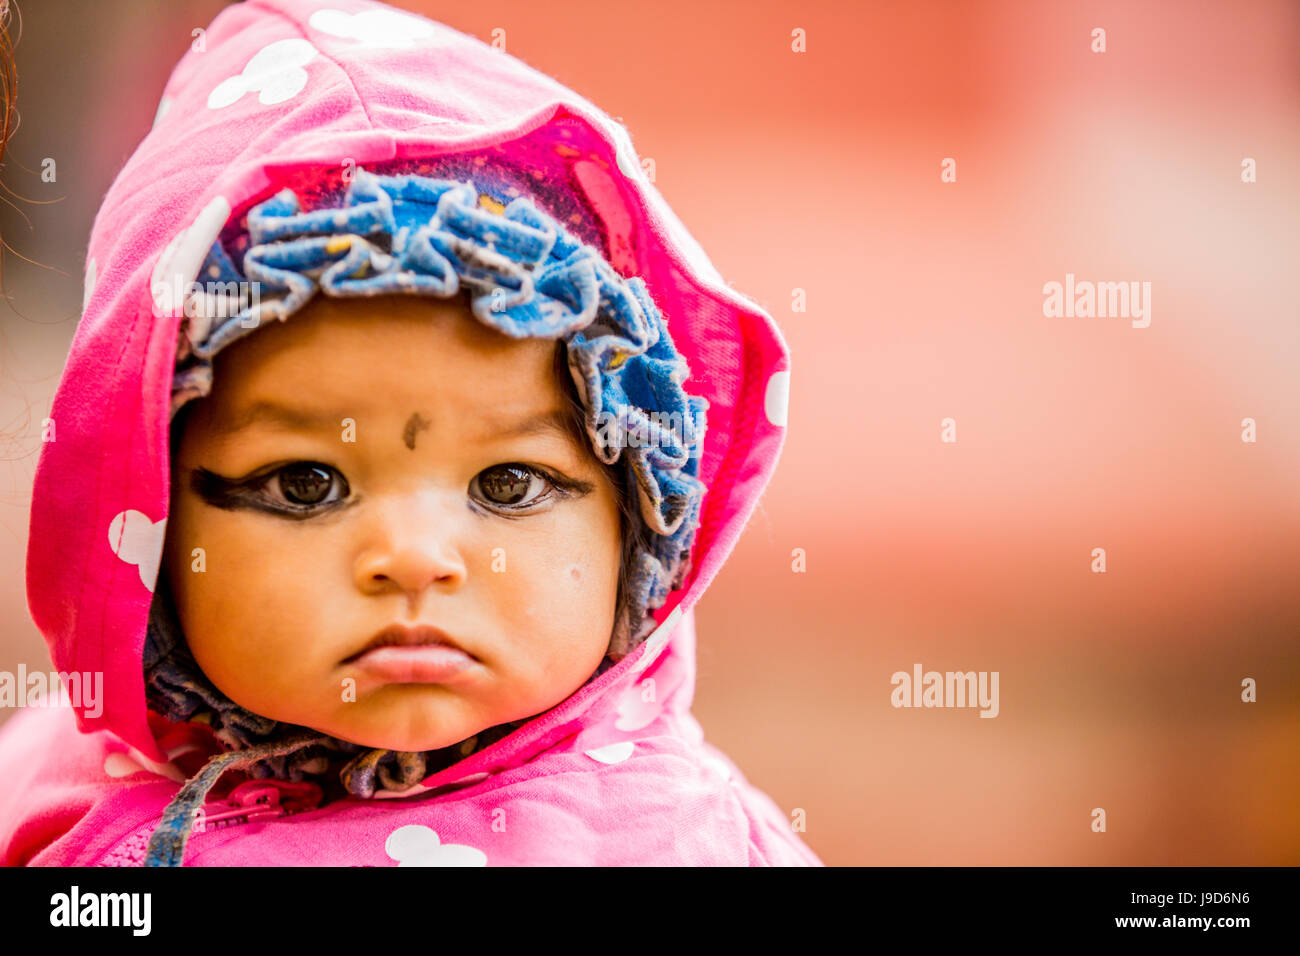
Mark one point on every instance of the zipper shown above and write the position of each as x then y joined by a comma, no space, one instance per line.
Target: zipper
256,800
250,802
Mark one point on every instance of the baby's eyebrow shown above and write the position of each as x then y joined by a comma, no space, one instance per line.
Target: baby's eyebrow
552,420
287,416
293,417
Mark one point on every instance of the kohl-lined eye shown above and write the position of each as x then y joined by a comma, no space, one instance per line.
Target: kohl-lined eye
306,484
307,489
299,489
511,486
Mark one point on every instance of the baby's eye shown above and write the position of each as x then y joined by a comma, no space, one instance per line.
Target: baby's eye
510,486
305,484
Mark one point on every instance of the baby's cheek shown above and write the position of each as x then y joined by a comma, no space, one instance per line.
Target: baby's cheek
590,582
588,587
576,586
571,563
581,576
565,598
556,591
246,622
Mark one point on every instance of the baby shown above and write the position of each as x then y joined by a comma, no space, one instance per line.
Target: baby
427,554
425,431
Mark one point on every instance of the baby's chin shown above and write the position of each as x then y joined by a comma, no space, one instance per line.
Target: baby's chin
404,717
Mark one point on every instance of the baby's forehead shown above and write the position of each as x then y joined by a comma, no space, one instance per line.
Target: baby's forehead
359,343
419,359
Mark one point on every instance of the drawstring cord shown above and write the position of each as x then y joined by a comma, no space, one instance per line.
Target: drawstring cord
167,844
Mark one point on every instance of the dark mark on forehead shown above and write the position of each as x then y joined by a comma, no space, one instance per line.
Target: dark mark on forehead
413,424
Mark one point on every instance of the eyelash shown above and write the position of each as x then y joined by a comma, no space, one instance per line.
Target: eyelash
251,491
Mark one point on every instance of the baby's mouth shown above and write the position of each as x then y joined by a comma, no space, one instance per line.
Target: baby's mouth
404,654
409,635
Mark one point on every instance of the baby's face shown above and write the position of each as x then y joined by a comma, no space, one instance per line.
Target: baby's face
381,495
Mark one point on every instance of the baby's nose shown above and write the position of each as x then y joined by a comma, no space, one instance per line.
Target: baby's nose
412,546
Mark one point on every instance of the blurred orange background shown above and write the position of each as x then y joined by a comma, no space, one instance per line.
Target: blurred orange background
821,171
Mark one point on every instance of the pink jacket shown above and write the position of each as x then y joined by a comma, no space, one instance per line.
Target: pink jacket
613,775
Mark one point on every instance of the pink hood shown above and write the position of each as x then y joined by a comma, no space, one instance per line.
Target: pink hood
613,774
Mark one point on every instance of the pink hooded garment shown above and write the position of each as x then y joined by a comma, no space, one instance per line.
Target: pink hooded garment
612,775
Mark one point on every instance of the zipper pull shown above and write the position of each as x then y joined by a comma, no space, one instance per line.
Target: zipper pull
297,795
258,800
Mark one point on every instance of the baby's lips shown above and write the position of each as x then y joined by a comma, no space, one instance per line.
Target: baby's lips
409,635
415,664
